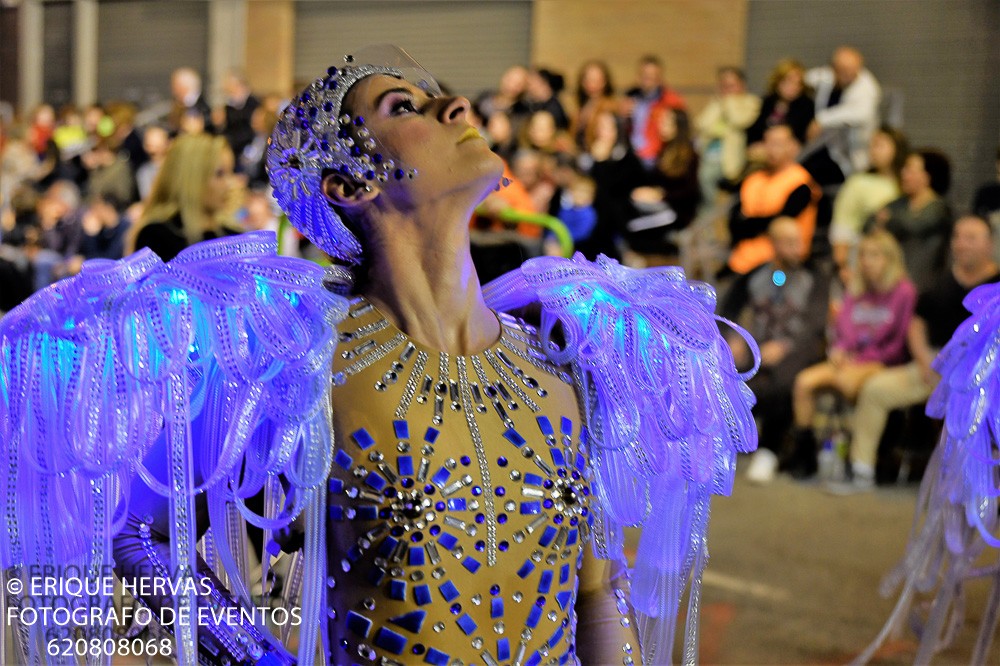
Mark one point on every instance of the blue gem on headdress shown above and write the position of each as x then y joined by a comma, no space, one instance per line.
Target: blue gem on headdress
398,174
359,121
328,106
377,157
369,175
324,145
313,112
306,97
356,151
332,84
331,71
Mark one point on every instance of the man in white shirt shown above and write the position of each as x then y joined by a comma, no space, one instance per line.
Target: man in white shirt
847,110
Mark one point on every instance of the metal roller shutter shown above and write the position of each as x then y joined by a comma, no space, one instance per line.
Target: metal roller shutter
466,45
140,43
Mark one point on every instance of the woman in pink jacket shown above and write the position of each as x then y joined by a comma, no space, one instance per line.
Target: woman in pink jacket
869,334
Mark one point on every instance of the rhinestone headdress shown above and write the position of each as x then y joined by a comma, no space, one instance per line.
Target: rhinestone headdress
314,134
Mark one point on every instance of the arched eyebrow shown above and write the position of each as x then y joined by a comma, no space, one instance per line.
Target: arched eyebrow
399,89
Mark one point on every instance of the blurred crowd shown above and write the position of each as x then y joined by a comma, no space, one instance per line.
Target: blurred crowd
826,234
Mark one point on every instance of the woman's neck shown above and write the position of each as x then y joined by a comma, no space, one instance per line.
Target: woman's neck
423,279
922,198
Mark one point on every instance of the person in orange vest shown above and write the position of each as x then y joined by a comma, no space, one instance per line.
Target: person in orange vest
782,189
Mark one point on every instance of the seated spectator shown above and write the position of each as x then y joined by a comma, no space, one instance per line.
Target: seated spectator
576,208
541,93
669,194
939,312
533,172
651,92
541,134
782,189
787,102
986,202
108,172
722,132
864,194
869,334
188,199
104,227
513,82
156,142
847,115
499,131
126,138
41,128
50,233
920,218
593,87
69,134
615,169
785,303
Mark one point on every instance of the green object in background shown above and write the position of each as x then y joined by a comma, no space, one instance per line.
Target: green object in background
548,222
553,224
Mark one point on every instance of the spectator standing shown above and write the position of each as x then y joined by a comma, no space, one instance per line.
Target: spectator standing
668,197
920,218
939,311
651,92
189,105
721,131
785,300
865,193
847,115
240,106
788,102
869,334
782,189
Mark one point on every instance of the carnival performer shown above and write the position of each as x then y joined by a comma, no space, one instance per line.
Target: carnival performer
957,517
479,466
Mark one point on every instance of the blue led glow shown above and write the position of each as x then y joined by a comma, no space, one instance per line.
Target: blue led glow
779,278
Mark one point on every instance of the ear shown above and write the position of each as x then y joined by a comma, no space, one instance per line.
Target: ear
345,192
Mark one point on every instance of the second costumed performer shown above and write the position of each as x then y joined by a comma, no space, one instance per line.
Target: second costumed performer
460,478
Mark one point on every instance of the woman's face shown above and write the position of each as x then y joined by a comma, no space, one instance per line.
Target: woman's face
791,85
913,178
668,126
882,151
593,81
541,129
498,127
429,134
220,183
605,128
872,263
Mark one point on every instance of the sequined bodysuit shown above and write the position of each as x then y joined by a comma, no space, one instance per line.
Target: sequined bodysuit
459,500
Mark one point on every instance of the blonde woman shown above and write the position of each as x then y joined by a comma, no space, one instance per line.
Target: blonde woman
189,197
869,334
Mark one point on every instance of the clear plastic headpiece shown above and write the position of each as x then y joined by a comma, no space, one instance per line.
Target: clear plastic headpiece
315,133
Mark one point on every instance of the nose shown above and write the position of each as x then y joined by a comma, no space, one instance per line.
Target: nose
455,110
